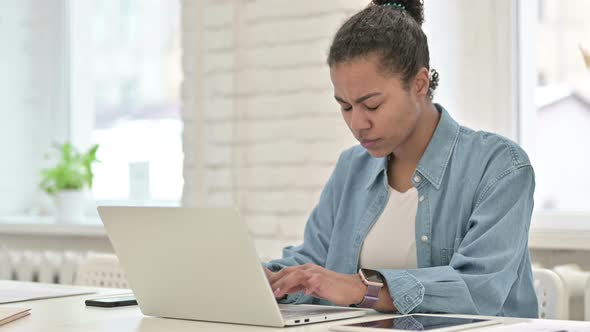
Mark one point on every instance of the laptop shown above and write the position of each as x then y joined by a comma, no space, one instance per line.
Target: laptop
200,264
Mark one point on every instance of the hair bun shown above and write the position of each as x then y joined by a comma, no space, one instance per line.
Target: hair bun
414,7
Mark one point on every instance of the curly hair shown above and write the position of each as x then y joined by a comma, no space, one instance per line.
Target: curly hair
391,29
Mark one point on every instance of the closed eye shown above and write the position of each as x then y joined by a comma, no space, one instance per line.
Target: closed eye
346,108
372,108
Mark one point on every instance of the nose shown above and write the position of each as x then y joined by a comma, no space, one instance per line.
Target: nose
359,120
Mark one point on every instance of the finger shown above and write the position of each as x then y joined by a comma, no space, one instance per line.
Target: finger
268,273
291,283
281,293
310,291
279,274
296,276
313,285
284,272
277,277
285,280
310,284
309,266
288,270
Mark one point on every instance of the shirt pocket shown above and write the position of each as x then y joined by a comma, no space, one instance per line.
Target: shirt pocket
447,253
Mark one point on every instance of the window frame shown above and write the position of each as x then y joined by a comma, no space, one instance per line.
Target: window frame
79,112
550,229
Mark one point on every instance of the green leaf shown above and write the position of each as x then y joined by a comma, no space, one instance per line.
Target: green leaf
72,172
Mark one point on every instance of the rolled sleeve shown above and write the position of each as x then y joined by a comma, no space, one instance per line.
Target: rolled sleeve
406,290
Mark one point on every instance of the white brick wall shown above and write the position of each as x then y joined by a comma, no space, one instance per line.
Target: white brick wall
262,131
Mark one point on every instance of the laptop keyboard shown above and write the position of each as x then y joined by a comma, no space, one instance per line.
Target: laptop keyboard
291,312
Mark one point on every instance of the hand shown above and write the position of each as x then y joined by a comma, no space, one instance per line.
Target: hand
269,275
340,289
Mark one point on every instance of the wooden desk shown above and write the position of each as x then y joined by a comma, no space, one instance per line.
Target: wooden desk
69,314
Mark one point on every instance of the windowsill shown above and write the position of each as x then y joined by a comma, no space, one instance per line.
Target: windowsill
560,230
90,226
48,226
549,230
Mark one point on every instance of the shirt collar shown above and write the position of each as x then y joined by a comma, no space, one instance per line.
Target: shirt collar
434,161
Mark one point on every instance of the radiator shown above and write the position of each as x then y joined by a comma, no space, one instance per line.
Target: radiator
57,267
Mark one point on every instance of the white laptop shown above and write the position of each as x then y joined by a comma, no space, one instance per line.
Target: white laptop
200,264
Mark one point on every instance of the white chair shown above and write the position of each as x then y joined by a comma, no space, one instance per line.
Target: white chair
101,270
587,302
551,294
574,280
5,265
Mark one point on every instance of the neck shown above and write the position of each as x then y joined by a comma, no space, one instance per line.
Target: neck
410,152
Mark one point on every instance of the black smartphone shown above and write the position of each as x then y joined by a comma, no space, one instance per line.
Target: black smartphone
109,302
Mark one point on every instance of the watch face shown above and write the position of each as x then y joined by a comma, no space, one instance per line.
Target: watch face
372,276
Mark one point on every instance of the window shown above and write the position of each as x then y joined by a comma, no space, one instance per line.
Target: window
555,100
125,77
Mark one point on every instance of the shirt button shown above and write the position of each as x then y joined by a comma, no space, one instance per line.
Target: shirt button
417,179
421,198
424,238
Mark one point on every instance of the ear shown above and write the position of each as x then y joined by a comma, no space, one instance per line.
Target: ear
421,82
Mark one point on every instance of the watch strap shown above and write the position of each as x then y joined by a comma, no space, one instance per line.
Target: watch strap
372,294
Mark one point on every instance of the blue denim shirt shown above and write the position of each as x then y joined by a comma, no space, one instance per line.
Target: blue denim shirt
475,194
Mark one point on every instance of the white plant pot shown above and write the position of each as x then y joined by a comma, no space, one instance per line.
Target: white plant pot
69,206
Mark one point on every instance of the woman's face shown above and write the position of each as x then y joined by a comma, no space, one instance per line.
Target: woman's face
380,113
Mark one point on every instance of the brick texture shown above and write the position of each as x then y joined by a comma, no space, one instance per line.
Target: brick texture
262,132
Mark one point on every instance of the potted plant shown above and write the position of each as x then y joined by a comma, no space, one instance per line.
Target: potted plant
67,181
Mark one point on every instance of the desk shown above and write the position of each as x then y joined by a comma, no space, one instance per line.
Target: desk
69,314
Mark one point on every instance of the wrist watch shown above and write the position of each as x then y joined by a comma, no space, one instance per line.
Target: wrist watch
374,282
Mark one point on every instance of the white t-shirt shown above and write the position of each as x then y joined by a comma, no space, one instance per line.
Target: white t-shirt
391,242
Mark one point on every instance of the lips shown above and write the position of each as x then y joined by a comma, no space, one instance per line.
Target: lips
369,143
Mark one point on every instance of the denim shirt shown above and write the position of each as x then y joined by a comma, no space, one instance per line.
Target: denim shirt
475,203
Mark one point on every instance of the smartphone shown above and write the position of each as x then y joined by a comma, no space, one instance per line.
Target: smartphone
109,302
